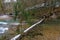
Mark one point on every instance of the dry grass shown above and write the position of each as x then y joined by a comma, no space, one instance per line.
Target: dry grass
49,32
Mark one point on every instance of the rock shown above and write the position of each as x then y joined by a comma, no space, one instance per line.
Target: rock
5,17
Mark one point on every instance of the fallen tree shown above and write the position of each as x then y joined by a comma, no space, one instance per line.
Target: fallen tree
25,31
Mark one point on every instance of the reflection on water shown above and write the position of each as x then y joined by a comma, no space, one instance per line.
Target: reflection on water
3,27
2,30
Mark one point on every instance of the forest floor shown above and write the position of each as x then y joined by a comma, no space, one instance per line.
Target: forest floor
44,32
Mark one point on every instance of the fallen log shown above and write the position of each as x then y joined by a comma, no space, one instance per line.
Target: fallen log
25,31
